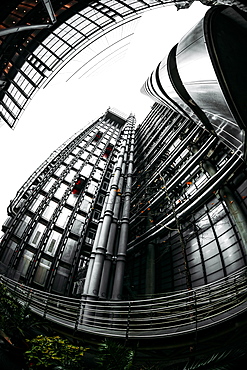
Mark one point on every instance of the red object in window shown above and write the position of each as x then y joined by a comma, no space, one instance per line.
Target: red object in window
108,150
79,186
98,136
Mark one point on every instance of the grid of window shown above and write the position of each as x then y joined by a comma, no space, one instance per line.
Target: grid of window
58,228
83,28
167,185
212,250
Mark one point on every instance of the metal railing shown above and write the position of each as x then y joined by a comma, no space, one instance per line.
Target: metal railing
168,315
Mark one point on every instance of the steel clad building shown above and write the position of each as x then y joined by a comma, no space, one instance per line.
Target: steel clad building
139,230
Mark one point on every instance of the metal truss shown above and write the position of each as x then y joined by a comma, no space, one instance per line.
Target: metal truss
171,315
38,54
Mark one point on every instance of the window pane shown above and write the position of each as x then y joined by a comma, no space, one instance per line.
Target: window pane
52,243
69,251
63,217
36,235
25,262
42,272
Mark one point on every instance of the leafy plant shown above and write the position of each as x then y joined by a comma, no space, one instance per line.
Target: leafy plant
14,318
54,352
227,360
113,356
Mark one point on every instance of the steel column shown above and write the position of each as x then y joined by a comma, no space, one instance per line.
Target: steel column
123,239
94,283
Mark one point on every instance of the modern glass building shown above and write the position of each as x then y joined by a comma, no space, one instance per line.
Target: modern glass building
196,175
139,221
53,220
39,37
139,230
197,76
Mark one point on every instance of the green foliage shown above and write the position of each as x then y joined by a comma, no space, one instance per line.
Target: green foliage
54,352
15,318
227,360
113,356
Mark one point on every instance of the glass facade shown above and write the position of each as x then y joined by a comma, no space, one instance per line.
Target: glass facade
56,213
128,214
184,231
182,227
36,58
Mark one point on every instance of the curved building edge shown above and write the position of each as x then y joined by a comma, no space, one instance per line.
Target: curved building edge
197,76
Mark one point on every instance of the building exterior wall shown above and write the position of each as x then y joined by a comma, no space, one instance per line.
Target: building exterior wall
160,217
121,213
187,222
184,230
204,76
51,226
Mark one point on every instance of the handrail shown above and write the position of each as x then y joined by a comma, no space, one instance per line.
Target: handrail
168,315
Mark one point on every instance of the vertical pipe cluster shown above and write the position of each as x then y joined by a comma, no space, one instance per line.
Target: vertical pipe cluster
123,238
106,249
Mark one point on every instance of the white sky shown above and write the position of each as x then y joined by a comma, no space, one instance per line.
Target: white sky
58,111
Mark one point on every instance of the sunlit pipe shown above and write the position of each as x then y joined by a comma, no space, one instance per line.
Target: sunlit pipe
110,244
17,29
50,11
94,283
123,239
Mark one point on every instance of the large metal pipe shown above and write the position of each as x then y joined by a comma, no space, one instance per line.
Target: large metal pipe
92,256
22,28
123,239
111,241
100,250
150,266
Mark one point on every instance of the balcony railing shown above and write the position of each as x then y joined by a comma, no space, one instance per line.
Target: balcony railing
168,315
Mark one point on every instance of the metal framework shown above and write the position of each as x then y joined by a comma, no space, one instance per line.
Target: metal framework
182,196
147,226
34,55
46,206
169,315
186,219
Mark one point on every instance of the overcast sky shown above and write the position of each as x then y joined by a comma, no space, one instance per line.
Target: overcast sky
58,111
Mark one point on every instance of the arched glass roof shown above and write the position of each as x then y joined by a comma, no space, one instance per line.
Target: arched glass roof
35,45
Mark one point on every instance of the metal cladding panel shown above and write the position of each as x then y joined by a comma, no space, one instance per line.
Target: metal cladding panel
225,30
182,92
168,87
154,88
198,75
